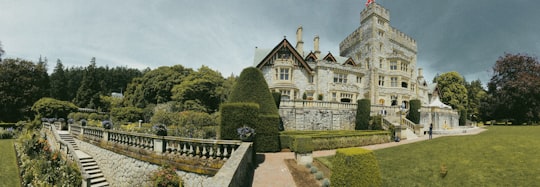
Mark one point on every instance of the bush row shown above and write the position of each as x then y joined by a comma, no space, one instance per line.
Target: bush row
77,116
326,140
355,167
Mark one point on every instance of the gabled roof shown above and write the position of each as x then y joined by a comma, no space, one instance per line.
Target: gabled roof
330,57
311,55
349,61
284,44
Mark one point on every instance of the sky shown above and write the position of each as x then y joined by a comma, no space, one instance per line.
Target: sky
467,36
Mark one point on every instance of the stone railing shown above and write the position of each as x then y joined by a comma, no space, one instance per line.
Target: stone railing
238,170
411,125
386,124
316,104
66,149
202,156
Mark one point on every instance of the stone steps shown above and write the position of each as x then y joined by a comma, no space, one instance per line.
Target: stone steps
88,164
91,168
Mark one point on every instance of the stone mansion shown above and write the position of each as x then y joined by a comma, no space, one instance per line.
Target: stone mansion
376,62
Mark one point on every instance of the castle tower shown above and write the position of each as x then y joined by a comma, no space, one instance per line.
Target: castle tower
387,54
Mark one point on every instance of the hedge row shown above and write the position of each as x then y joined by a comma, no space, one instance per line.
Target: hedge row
267,130
302,144
355,167
363,111
339,139
236,115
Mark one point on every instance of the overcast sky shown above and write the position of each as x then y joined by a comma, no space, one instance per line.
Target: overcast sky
452,35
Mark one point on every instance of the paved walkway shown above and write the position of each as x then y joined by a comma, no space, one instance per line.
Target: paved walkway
274,172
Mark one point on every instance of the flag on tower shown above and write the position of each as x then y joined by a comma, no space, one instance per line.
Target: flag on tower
369,2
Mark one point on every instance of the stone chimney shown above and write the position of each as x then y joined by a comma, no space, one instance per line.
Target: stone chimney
316,47
299,42
420,73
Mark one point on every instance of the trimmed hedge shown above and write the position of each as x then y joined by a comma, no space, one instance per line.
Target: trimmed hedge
326,140
355,167
252,88
267,134
362,114
302,144
277,98
413,114
236,115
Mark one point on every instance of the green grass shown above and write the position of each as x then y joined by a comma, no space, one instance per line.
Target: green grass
501,156
9,172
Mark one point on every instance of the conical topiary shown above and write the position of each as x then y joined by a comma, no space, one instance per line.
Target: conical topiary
252,88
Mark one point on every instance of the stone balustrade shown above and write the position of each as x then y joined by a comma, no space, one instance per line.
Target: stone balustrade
204,156
316,104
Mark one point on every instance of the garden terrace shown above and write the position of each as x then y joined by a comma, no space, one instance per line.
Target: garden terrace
202,156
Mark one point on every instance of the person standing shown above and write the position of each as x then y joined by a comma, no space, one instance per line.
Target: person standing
430,131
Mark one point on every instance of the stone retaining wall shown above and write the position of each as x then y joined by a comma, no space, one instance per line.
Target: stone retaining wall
120,170
317,119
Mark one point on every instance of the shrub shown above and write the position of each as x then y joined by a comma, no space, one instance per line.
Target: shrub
166,176
7,133
308,165
285,141
49,107
414,114
251,87
302,144
160,129
83,122
267,139
126,114
376,123
355,167
236,115
313,169
325,183
107,124
277,98
362,114
319,175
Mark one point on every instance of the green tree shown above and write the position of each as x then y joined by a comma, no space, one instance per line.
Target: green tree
202,86
89,91
155,86
59,82
74,77
452,90
454,93
515,88
49,107
362,114
475,94
21,84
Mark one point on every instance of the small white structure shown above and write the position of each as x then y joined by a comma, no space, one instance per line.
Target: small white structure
442,116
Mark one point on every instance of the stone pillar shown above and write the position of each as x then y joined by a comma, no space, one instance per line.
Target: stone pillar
299,42
303,159
159,145
105,135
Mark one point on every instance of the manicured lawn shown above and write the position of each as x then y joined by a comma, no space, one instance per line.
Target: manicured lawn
9,172
500,156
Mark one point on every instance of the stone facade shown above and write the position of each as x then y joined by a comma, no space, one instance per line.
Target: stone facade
376,62
120,170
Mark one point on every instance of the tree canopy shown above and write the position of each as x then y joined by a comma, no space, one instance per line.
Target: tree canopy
452,90
49,107
514,88
21,84
203,86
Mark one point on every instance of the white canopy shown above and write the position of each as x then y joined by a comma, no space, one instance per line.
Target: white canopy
437,103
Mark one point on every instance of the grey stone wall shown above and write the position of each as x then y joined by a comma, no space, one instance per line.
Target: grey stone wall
120,170
317,119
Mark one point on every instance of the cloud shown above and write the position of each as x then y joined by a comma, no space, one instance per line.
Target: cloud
459,35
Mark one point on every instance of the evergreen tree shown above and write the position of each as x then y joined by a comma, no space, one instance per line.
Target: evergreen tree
362,114
414,114
59,82
88,92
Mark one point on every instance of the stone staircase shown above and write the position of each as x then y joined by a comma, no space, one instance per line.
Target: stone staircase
97,179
